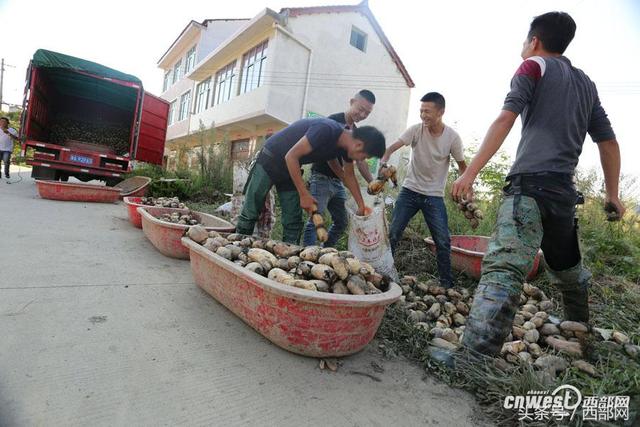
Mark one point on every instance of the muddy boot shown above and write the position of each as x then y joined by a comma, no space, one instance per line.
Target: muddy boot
490,319
463,356
574,285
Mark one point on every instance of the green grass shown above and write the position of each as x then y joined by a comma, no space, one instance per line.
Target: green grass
610,250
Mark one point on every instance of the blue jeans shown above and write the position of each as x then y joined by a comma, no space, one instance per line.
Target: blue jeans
5,156
330,194
435,215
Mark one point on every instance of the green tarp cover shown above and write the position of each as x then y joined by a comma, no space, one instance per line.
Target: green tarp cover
49,59
61,70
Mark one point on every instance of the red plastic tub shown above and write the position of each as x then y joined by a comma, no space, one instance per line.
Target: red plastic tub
467,253
75,192
165,236
136,186
133,203
305,322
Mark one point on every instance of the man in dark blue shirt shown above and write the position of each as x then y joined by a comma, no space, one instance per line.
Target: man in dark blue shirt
279,164
326,186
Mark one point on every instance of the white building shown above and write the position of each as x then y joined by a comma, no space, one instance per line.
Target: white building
249,78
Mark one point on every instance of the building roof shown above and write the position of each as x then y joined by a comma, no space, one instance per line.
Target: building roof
206,21
195,24
258,23
363,8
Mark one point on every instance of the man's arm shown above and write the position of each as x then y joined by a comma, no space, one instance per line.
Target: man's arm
363,167
335,166
610,161
13,135
292,159
351,183
498,131
390,150
462,167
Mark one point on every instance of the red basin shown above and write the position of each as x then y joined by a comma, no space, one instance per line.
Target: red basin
305,322
74,192
165,236
133,203
467,253
136,186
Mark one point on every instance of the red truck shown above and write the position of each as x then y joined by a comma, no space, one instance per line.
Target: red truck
88,121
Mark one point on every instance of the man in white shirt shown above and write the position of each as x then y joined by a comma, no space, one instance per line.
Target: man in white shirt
7,135
432,144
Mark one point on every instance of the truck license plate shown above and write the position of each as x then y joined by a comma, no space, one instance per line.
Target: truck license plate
81,159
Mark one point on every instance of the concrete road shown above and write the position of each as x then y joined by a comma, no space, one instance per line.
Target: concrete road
98,328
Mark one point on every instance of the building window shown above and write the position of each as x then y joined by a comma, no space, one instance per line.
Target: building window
358,39
177,71
253,68
203,92
172,113
167,81
190,60
225,81
185,102
240,149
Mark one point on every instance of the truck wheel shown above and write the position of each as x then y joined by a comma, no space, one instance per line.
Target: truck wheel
39,172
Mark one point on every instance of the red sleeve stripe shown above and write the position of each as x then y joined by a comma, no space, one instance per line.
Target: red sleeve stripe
532,67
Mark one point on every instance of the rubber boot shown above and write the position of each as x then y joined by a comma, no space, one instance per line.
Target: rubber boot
574,285
490,319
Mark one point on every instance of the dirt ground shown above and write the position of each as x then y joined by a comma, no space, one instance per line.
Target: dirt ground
99,328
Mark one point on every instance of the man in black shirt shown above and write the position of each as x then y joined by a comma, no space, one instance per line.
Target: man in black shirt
303,142
326,187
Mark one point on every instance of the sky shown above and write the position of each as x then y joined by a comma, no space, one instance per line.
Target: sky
466,50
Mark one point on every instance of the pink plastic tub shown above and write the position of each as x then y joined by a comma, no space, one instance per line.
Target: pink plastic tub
75,192
305,322
136,186
467,253
165,236
133,203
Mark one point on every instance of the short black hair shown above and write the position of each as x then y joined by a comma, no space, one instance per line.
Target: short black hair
434,97
5,118
374,142
554,29
368,95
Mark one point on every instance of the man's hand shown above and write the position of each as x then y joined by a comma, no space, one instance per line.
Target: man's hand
614,208
462,187
308,203
363,211
610,161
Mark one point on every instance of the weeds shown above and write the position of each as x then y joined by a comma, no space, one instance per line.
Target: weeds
610,250
205,183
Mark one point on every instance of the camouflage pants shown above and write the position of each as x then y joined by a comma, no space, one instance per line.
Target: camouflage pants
518,235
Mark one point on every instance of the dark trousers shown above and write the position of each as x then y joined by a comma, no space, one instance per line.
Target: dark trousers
5,156
435,215
537,212
258,186
556,196
330,195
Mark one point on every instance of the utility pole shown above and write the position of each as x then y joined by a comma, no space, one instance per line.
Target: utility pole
2,65
1,81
